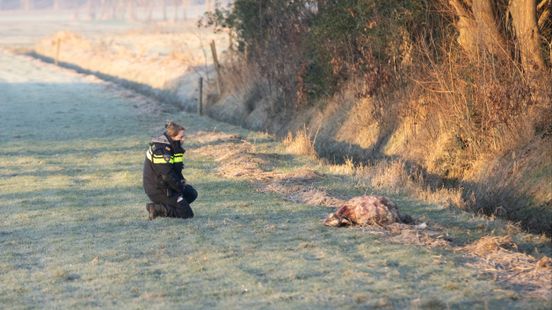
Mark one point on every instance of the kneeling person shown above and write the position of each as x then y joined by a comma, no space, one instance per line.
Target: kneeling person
163,180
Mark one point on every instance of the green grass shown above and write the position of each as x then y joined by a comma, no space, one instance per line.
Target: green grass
74,230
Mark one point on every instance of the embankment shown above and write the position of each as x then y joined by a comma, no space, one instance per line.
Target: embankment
511,178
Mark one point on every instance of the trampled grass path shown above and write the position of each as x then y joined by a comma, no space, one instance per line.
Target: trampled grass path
74,230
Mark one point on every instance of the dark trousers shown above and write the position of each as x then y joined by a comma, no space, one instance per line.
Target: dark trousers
180,209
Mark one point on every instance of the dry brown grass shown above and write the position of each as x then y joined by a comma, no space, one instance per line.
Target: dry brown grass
419,235
394,176
68,37
212,137
490,244
361,126
300,144
236,159
303,194
388,176
161,56
453,118
498,256
456,121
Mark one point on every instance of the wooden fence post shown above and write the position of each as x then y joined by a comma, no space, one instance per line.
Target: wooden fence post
200,101
217,66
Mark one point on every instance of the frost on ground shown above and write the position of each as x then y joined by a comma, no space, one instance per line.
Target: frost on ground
74,230
168,58
237,158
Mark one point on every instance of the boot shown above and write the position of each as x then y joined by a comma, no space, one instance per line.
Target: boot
155,210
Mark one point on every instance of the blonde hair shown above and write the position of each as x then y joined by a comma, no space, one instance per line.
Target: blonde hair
173,128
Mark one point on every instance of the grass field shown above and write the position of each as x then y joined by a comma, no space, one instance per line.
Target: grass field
74,231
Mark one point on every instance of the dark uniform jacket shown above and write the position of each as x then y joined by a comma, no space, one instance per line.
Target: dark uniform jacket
163,167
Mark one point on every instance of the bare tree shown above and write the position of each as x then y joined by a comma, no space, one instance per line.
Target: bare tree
483,26
524,20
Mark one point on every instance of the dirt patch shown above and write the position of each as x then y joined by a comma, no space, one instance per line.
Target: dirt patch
303,194
497,256
236,158
411,234
242,166
490,244
297,186
210,137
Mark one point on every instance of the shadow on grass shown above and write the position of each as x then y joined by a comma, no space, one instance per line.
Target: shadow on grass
171,99
220,142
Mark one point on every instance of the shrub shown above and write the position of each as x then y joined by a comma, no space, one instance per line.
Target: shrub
307,49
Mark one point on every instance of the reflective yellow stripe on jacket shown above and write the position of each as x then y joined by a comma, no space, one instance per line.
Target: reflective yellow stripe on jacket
160,159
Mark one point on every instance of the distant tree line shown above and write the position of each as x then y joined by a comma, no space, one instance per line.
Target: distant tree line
115,9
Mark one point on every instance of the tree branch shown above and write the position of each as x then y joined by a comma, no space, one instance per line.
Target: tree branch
524,19
542,4
545,6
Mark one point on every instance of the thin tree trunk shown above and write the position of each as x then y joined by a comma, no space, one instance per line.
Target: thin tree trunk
466,26
488,32
524,20
478,28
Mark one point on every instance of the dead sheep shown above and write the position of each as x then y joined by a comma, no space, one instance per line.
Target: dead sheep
367,210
